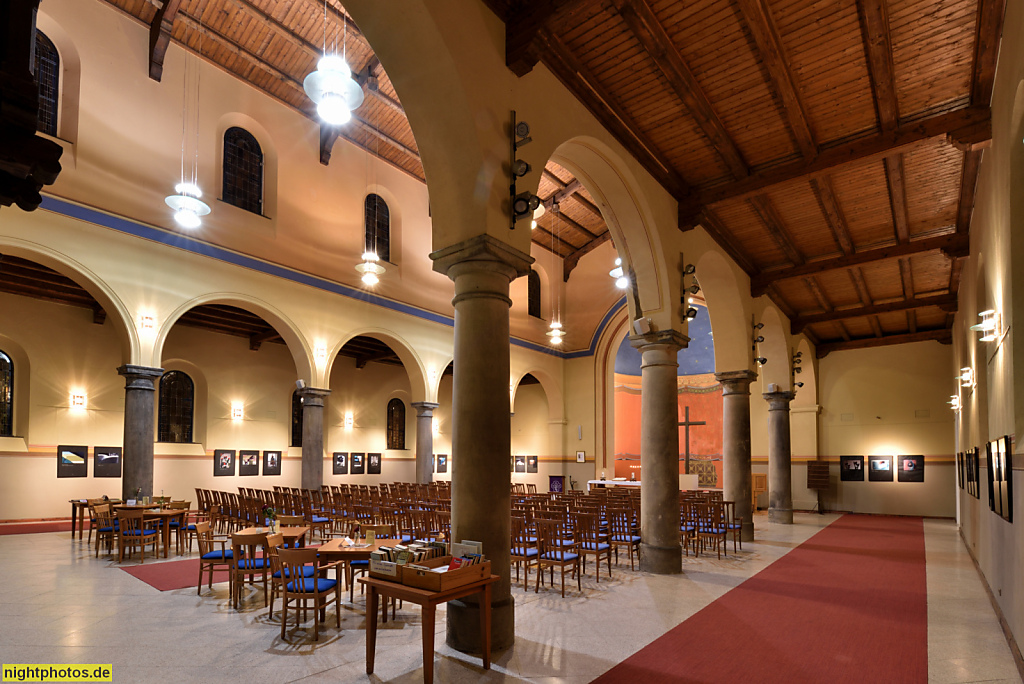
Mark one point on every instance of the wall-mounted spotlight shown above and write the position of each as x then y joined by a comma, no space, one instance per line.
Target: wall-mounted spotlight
523,205
621,280
798,384
689,269
759,339
758,326
693,289
798,369
520,168
691,313
761,360
522,132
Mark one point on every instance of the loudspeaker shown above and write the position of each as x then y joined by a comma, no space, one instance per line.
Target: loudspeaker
300,383
642,326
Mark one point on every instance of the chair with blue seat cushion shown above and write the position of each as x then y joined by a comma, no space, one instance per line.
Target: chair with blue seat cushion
179,525
591,542
620,523
301,590
213,558
552,552
733,524
106,527
524,549
249,563
711,525
132,533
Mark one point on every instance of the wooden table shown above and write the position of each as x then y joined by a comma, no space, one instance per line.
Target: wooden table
293,536
165,516
332,550
429,601
78,509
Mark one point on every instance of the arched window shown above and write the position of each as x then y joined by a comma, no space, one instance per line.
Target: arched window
6,395
296,419
378,226
533,293
177,398
48,77
243,170
396,424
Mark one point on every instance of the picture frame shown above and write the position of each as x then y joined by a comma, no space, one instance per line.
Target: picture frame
851,468
248,463
340,463
879,468
520,464
581,456
442,463
531,464
106,461
911,469
223,462
373,463
960,469
72,461
357,466
1000,477
271,462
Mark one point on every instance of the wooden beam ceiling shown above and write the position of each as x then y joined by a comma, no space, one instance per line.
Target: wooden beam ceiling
947,302
160,36
945,336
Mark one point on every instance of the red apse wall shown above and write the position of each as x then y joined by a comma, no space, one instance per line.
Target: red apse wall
700,393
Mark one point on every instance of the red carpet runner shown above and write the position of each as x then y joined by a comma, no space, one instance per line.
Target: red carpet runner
847,605
173,574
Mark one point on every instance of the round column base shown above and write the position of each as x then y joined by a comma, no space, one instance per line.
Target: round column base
661,560
783,516
464,625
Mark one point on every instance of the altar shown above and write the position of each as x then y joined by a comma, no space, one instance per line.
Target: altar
686,483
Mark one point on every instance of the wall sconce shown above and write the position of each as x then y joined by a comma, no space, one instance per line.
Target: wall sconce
435,425
990,326
433,375
761,360
966,377
954,402
147,322
237,410
320,354
79,401
349,421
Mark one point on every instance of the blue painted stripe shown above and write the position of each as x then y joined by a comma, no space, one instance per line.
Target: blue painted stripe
188,244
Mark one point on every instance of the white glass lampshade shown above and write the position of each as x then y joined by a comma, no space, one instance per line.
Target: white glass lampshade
334,91
188,208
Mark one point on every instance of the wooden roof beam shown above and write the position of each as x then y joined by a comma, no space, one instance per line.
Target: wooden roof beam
944,336
551,236
572,260
969,126
896,181
361,361
986,49
257,339
776,228
524,21
826,196
907,276
952,245
587,88
652,36
160,36
946,302
720,234
968,187
874,23
766,35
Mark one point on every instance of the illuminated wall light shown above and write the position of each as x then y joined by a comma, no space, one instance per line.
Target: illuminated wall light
954,402
990,326
349,420
79,401
237,410
435,425
320,354
147,322
433,375
966,377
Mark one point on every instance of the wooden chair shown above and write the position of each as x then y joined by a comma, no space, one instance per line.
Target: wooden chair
553,552
621,525
106,527
133,533
248,563
711,525
733,524
524,550
300,589
590,542
179,525
211,558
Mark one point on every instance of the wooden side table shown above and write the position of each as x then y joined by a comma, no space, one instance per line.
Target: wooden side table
428,600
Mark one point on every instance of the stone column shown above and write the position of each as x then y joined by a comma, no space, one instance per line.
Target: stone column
780,462
313,436
424,441
736,445
482,269
139,432
660,549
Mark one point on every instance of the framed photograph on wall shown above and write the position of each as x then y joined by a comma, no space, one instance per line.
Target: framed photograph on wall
960,470
72,461
223,462
531,464
106,462
248,463
520,464
358,466
373,463
879,468
989,447
442,463
971,464
851,468
271,462
1006,484
581,456
911,469
341,463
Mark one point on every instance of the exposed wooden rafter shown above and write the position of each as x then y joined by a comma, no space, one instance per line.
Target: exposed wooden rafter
945,302
524,21
989,29
826,196
776,228
944,336
570,261
874,22
160,36
648,30
257,339
897,197
720,234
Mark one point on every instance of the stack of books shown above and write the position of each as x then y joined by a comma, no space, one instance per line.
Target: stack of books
413,552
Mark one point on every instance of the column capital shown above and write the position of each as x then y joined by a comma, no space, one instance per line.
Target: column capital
313,396
778,401
736,382
139,377
655,338
424,408
488,253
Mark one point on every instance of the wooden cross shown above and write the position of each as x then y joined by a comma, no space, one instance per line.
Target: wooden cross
687,423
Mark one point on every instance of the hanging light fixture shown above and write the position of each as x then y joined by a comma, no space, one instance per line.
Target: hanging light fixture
331,86
555,331
621,280
370,268
186,203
